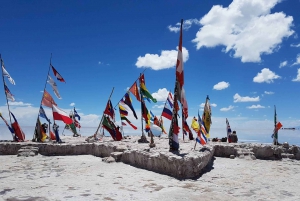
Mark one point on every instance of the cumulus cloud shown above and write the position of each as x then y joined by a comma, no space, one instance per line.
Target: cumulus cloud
238,98
221,85
283,64
297,79
297,60
266,75
161,94
248,28
158,106
187,24
19,104
269,92
72,104
167,59
255,107
295,45
226,109
212,105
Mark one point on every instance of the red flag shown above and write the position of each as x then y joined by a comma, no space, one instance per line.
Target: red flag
278,126
109,110
135,91
142,79
179,64
57,75
47,99
77,124
59,114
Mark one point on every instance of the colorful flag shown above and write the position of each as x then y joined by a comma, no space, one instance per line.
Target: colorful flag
76,123
59,114
54,87
42,114
9,96
167,113
9,128
228,129
76,114
5,73
161,123
109,110
47,100
125,119
201,138
135,91
39,133
206,117
127,100
179,64
145,113
195,125
187,129
57,75
173,133
146,93
122,110
19,134
170,100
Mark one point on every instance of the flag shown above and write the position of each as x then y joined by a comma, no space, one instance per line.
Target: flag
179,64
42,114
127,101
151,116
18,131
47,100
112,129
54,87
167,113
201,135
278,126
39,132
206,117
76,114
161,123
187,129
145,113
109,110
144,90
170,100
135,91
76,123
125,119
173,133
228,129
59,114
5,73
275,132
122,110
9,96
184,104
195,125
9,128
57,75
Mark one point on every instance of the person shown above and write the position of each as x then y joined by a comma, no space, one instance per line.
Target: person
230,138
234,137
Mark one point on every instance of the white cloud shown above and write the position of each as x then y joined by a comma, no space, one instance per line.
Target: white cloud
158,106
238,98
255,107
187,24
221,85
212,105
295,45
167,59
161,94
283,64
19,104
269,92
246,27
99,62
226,109
297,60
72,104
297,79
265,76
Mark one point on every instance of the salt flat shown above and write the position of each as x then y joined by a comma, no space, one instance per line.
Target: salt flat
86,177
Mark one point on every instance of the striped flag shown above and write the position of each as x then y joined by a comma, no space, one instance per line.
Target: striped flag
228,129
201,135
57,75
9,96
5,73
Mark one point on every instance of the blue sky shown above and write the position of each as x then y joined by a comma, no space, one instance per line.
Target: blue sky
244,54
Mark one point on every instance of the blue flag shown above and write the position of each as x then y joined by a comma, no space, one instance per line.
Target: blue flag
76,114
43,114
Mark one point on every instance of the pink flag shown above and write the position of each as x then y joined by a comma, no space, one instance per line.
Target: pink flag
59,114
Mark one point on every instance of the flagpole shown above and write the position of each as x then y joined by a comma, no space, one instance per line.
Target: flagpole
131,86
103,111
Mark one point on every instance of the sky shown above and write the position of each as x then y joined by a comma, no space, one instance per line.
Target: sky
243,54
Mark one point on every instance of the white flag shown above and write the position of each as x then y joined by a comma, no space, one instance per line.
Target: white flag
5,73
54,87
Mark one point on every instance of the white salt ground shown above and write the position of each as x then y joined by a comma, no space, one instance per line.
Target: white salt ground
86,177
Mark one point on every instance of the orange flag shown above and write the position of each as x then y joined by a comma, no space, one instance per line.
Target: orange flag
135,91
48,100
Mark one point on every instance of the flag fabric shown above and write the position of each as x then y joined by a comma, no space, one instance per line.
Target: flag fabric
135,91
201,138
111,128
195,125
123,124
9,96
123,110
54,86
184,104
145,113
123,118
127,100
57,75
9,128
6,74
170,100
76,114
19,134
39,133
173,133
109,110
42,114
144,90
228,129
275,132
151,116
167,113
187,129
55,129
76,123
179,64
161,123
206,117
59,114
48,101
